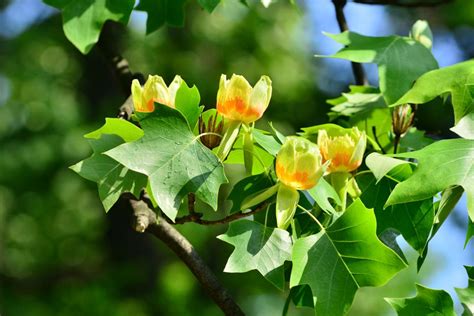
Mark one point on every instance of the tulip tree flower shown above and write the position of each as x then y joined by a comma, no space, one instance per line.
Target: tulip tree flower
154,90
239,104
299,166
343,150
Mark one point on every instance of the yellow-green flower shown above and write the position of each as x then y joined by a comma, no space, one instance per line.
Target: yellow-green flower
344,151
154,90
299,163
238,101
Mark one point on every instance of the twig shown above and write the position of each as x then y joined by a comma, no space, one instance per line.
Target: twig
162,230
357,68
196,217
374,131
404,3
396,142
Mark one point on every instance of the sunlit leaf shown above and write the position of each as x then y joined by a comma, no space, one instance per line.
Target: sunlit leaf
426,302
466,295
337,261
112,178
400,60
174,160
257,247
458,80
161,12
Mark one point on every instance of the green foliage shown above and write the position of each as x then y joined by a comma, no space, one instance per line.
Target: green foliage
112,178
161,12
83,19
400,60
440,165
164,153
466,295
322,193
258,247
457,80
340,259
426,302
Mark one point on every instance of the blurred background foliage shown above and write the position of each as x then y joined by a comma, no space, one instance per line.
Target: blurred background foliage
60,254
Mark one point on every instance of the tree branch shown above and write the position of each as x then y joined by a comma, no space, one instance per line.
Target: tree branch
161,229
357,69
196,217
405,3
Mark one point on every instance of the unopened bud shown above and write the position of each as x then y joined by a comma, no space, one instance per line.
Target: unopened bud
402,119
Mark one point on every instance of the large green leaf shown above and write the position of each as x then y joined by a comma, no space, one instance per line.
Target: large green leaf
161,12
187,102
83,19
337,261
400,60
441,165
426,302
174,160
458,80
466,295
258,247
112,178
414,220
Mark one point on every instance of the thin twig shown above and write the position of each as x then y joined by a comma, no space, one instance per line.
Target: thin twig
374,131
162,230
357,69
404,3
196,217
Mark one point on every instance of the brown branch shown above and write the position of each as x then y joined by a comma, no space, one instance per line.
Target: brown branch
404,3
196,217
161,229
357,69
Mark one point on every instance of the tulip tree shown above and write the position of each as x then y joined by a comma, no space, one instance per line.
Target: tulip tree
310,212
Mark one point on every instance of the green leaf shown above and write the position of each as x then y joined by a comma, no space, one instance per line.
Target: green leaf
414,139
83,19
465,126
321,193
440,165
413,220
112,178
209,5
247,187
356,102
344,257
469,232
400,60
187,102
174,160
426,302
301,296
257,247
458,80
161,12
466,295
381,165
266,141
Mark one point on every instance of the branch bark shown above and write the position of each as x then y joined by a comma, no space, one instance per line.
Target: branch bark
161,229
357,69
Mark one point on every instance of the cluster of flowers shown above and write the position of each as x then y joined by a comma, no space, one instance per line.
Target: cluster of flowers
300,163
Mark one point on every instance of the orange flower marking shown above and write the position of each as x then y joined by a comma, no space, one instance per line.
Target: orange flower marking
344,152
298,163
238,101
154,90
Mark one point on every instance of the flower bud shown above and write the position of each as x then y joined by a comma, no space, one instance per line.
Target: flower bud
343,151
154,90
402,119
299,163
238,101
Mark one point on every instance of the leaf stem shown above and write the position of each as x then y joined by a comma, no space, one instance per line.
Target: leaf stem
312,216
